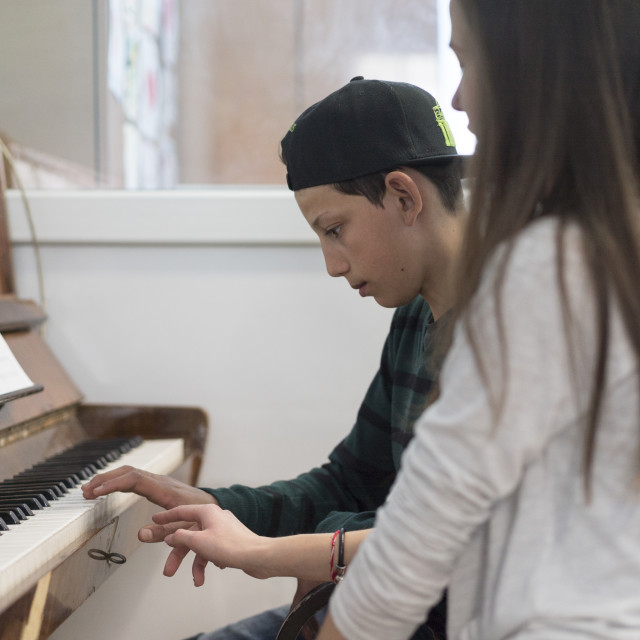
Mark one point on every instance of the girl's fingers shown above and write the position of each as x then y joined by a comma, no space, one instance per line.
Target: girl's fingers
174,560
197,570
159,532
188,512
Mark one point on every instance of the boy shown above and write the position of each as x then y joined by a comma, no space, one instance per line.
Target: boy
376,174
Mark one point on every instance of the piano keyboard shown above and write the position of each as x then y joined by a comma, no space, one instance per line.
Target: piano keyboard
34,545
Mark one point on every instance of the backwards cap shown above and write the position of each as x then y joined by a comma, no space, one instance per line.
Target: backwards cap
365,127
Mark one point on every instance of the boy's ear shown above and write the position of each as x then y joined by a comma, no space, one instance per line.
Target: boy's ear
406,195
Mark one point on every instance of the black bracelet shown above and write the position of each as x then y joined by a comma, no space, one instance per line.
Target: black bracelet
340,566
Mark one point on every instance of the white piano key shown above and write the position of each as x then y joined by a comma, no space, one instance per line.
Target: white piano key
30,549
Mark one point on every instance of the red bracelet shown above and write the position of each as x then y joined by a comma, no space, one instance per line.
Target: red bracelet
333,549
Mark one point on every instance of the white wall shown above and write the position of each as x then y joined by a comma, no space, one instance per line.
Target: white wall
255,332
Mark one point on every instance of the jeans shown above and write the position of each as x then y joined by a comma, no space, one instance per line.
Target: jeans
265,626
262,626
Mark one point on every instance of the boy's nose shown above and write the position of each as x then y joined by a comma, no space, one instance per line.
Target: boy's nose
336,265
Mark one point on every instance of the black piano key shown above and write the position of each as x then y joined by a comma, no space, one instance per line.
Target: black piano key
8,516
58,488
38,494
42,479
18,484
83,472
13,512
72,480
46,493
3,525
26,503
37,502
34,500
24,493
14,492
18,503
79,460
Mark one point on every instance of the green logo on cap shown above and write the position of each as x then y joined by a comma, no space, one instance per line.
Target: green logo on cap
293,126
444,126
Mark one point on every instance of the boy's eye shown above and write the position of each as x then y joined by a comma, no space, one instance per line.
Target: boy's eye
334,231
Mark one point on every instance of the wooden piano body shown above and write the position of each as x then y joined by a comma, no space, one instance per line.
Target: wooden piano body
39,425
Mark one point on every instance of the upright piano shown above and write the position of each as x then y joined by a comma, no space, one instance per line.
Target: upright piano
57,548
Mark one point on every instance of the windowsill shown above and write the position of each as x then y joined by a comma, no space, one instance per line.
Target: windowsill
215,216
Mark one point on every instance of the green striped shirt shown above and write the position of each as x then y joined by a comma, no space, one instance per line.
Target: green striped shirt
346,491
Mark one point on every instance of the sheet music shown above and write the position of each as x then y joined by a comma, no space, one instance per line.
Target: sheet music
12,375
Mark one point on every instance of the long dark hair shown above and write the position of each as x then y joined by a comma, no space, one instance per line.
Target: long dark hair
559,135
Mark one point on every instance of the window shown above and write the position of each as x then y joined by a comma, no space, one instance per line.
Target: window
185,93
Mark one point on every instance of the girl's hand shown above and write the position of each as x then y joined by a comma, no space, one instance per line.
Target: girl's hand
215,536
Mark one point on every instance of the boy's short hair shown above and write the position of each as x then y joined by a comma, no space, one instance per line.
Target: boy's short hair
446,176
364,128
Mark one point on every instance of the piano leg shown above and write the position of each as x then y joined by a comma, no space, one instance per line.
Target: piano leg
33,623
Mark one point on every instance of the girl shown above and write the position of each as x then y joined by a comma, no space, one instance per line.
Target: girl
519,491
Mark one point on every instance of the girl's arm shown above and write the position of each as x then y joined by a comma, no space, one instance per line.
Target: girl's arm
217,536
329,631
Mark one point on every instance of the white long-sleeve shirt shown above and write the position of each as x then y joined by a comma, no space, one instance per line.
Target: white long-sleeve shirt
495,510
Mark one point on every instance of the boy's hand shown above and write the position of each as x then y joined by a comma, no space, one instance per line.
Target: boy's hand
164,491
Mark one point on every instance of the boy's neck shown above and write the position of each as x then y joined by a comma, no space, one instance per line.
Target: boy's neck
438,289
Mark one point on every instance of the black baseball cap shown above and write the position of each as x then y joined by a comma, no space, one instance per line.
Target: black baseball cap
365,127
